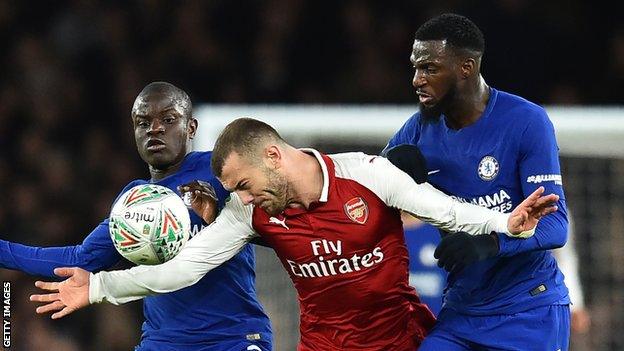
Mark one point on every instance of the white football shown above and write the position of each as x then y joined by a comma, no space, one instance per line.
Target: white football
149,224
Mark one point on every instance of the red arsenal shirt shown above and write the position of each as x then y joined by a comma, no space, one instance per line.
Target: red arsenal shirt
345,254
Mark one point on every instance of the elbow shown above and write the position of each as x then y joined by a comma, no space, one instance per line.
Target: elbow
165,283
560,238
176,285
556,228
186,281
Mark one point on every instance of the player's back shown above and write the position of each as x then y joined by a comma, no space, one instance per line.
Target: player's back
221,309
487,164
347,258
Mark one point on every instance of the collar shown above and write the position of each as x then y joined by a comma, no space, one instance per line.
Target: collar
323,163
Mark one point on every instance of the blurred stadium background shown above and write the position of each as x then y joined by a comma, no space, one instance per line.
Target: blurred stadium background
71,70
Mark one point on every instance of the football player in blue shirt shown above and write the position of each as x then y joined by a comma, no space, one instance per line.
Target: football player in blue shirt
221,311
490,148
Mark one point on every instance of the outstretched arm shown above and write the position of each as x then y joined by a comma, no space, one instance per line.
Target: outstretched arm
95,253
398,190
211,247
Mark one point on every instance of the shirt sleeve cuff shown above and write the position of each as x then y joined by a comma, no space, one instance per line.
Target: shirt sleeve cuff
95,296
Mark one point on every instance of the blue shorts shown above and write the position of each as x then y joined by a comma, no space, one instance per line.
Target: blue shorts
260,345
543,328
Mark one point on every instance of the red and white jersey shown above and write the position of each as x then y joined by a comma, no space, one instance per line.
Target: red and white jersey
347,258
345,254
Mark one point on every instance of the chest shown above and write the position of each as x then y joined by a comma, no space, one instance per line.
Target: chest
354,220
472,161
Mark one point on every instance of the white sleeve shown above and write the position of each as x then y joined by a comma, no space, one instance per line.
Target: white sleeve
212,246
423,201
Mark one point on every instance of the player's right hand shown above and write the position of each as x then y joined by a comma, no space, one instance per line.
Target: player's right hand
523,219
201,197
66,296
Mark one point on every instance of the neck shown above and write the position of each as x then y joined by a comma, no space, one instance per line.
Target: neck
158,174
468,105
306,180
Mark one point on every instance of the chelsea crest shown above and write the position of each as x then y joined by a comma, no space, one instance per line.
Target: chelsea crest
488,168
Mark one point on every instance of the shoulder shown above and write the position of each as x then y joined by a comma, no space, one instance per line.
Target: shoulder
199,161
351,159
414,122
521,109
199,157
517,104
351,164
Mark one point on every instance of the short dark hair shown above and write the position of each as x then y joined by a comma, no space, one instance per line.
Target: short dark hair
179,96
458,31
243,136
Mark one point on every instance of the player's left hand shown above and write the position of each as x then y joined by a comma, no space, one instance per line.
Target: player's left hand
523,219
410,160
66,296
201,197
458,250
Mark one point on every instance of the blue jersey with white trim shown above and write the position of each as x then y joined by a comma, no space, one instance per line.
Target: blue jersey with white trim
220,311
496,162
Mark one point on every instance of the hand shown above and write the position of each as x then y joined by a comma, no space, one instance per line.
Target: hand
201,197
410,160
523,219
66,296
458,250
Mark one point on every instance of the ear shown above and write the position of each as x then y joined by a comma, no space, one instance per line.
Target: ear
191,127
273,156
468,67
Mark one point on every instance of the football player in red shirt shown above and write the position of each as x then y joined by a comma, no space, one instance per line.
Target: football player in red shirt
333,220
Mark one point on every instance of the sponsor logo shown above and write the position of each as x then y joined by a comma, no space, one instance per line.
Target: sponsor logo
322,266
499,201
282,222
541,178
357,210
138,216
488,168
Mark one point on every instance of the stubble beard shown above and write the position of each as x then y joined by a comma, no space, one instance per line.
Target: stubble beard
279,189
433,113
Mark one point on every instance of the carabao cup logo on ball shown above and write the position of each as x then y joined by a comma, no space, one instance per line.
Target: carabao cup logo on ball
149,224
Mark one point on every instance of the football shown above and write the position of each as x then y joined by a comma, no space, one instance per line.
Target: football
149,224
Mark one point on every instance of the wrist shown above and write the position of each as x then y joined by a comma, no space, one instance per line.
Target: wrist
94,289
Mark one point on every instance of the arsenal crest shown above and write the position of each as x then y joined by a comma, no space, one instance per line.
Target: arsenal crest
357,210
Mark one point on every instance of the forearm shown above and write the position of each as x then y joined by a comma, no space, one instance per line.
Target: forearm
398,190
551,233
43,260
211,247
119,287
434,207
